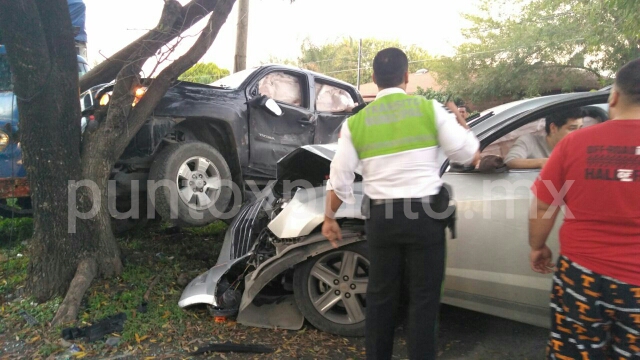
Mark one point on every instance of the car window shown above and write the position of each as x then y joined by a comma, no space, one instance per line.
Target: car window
596,114
282,87
501,146
330,98
235,80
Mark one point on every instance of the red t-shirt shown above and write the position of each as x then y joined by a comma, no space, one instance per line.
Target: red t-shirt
601,229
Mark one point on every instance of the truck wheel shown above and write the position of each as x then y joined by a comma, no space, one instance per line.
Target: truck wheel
330,289
196,173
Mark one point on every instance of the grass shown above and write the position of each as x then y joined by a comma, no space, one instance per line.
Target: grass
156,251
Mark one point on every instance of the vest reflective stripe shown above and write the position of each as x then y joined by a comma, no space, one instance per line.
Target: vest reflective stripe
392,124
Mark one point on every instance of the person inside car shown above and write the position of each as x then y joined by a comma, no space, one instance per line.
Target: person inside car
464,111
531,151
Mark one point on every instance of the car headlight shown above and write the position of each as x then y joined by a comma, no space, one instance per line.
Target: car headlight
104,100
138,94
4,140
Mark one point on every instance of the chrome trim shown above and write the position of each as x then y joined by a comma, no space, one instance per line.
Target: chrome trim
253,216
202,289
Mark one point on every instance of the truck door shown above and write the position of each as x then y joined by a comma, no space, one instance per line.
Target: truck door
333,103
271,136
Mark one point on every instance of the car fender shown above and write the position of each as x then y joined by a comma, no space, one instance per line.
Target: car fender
314,245
305,212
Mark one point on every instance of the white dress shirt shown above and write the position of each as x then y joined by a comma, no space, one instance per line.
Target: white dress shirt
407,174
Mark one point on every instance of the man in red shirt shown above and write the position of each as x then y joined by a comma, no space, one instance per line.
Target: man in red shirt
595,174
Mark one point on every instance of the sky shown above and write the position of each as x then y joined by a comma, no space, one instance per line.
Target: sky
277,27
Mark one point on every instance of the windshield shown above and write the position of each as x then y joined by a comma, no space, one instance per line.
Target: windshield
83,68
234,80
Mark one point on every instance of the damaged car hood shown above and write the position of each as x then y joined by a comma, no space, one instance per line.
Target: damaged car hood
310,162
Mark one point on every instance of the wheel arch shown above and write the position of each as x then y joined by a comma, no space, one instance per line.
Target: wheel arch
314,245
219,134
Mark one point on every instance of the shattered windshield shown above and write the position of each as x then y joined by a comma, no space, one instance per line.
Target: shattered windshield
234,80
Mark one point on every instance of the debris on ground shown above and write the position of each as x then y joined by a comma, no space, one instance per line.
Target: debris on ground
113,341
183,279
28,318
230,347
108,325
70,353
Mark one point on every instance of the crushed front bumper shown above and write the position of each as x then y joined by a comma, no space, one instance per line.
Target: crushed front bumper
239,239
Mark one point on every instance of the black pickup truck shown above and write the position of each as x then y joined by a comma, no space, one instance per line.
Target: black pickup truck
235,129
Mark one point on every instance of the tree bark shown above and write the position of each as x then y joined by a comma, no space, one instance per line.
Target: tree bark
42,57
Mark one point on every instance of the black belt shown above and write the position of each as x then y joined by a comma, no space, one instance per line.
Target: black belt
424,200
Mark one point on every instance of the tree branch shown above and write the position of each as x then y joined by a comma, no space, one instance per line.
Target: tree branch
153,40
593,71
161,84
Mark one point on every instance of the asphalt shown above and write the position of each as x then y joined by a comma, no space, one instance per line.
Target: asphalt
467,335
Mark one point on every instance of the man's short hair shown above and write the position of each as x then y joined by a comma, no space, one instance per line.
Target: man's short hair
628,81
389,67
560,118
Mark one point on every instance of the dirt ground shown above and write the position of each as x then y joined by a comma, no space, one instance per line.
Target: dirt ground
165,331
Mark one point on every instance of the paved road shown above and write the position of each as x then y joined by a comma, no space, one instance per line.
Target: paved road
467,334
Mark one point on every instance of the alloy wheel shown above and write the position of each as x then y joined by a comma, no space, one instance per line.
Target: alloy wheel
337,286
198,183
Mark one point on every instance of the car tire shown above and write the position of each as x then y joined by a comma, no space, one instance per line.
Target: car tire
308,289
187,166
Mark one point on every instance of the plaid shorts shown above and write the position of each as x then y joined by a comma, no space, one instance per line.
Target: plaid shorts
593,316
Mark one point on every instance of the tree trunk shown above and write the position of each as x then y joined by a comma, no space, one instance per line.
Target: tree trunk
44,80
41,53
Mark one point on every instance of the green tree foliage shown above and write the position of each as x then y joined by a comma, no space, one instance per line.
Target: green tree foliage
204,73
521,48
440,96
340,59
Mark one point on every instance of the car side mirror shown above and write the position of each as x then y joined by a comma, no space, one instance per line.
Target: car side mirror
272,106
269,104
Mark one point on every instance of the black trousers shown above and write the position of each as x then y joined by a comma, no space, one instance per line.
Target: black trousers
399,247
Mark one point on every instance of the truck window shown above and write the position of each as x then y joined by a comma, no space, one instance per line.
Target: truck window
330,98
282,87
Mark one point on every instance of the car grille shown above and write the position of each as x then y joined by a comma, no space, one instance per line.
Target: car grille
243,229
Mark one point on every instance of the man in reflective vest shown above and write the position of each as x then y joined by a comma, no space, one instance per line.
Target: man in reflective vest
397,139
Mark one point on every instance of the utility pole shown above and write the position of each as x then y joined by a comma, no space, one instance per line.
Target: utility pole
359,63
240,62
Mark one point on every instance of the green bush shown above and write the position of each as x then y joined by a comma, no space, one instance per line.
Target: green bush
13,230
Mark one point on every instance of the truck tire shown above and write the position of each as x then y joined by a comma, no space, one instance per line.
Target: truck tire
196,173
